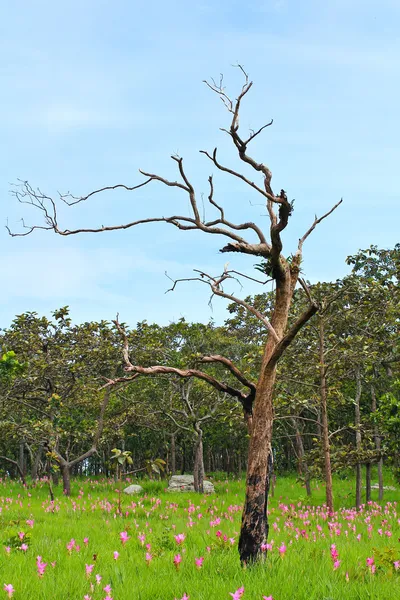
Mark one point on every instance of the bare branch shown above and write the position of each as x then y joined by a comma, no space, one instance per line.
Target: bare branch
232,368
315,223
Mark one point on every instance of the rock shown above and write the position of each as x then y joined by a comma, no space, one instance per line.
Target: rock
185,483
388,488
133,489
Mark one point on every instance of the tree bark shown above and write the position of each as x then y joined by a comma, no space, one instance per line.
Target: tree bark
198,468
357,423
36,463
302,466
66,477
173,454
324,417
377,439
368,468
254,529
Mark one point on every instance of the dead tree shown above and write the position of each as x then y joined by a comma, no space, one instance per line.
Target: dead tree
267,247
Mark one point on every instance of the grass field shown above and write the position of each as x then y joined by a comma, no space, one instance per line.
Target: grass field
314,556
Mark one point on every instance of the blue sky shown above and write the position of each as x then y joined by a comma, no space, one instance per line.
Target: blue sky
93,90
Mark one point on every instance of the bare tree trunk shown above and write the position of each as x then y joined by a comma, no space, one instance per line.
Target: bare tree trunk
255,528
183,469
198,468
377,439
22,462
239,464
368,468
36,463
357,423
324,417
173,454
302,466
66,477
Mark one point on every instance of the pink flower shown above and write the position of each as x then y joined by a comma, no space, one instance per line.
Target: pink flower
124,537
8,549
238,594
70,545
282,549
9,589
21,535
268,598
180,538
41,566
98,579
108,597
177,560
199,562
107,589
396,565
86,541
89,569
116,554
30,522
149,558
336,564
24,547
334,552
370,562
87,597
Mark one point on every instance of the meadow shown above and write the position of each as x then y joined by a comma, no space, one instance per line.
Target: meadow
168,546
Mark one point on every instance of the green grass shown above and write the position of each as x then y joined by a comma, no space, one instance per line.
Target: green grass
305,572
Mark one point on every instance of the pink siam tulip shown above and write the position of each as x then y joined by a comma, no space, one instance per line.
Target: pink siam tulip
177,560
87,597
107,589
98,579
89,569
336,564
199,562
396,565
124,537
41,566
116,554
149,558
30,522
180,538
70,545
282,550
8,587
268,598
24,547
238,594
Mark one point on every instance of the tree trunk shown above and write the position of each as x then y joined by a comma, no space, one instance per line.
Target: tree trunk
66,477
22,462
357,423
302,466
173,454
324,417
198,468
239,464
36,463
368,482
254,529
183,469
377,439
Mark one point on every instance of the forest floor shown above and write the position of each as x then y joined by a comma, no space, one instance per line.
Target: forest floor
173,546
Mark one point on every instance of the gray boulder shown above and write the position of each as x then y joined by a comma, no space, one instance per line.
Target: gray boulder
185,483
389,488
133,489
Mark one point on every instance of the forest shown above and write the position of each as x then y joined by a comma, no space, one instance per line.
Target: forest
336,402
